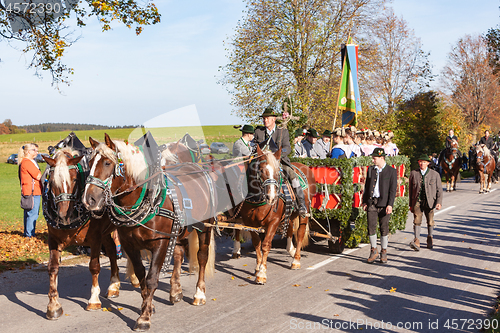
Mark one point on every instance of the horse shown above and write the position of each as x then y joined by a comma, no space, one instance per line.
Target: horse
486,166
70,224
266,207
451,163
147,221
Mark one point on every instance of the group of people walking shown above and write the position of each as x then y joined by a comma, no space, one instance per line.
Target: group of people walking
342,143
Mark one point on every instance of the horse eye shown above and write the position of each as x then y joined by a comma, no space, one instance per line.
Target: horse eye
107,163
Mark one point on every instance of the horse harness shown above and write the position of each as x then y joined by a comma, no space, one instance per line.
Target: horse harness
450,164
154,191
49,206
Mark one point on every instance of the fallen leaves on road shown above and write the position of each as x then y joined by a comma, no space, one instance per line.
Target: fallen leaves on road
232,277
393,290
296,285
242,285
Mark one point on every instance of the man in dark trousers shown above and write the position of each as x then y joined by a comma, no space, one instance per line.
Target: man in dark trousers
426,194
280,137
378,200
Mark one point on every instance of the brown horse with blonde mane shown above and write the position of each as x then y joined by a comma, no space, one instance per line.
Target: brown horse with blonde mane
485,163
70,224
265,207
451,163
160,224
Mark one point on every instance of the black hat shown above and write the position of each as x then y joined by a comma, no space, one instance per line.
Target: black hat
378,152
247,129
424,157
269,112
327,133
312,132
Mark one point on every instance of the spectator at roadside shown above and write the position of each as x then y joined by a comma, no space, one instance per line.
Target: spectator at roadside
29,176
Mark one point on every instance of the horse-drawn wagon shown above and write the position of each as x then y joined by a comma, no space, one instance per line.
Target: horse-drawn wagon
336,207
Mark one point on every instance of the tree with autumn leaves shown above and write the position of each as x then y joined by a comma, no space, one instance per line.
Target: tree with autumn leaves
47,36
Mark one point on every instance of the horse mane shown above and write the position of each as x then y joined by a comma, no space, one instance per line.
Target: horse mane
482,148
168,157
271,160
61,170
133,158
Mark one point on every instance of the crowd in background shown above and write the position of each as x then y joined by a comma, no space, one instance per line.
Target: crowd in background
343,142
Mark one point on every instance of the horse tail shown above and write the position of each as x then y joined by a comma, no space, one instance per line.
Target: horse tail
194,246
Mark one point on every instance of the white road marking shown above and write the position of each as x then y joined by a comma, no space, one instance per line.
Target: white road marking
335,257
443,210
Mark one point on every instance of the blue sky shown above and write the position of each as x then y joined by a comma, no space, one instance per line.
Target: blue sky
122,79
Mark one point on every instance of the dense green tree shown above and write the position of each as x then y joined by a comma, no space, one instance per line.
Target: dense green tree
493,41
418,129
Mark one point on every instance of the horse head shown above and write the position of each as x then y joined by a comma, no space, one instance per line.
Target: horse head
114,165
64,183
264,176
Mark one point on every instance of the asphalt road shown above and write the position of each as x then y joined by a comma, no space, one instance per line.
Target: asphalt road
451,288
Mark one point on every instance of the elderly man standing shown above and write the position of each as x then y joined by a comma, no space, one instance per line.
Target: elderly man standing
244,145
426,194
378,200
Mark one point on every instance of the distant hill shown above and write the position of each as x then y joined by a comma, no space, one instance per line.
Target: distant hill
57,127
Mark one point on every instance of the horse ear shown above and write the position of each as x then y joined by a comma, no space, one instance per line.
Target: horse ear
93,143
75,160
109,142
278,154
50,161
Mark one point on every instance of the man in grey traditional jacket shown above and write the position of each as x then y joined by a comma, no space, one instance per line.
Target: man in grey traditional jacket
426,194
244,145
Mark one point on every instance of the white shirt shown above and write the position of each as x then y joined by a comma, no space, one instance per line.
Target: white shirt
376,190
270,132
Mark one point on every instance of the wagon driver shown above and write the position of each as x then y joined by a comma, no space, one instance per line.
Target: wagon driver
280,136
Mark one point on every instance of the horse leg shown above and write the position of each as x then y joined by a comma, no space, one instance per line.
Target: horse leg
301,235
175,280
481,182
447,183
149,286
290,248
257,244
54,308
203,257
261,277
236,244
114,283
95,269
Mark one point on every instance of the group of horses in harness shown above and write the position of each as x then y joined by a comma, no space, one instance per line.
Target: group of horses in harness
163,202
483,161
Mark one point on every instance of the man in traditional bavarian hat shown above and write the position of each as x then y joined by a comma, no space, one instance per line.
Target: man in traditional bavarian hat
311,144
244,145
299,150
426,194
280,136
324,144
378,200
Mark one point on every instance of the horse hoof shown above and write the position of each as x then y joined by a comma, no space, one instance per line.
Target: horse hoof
93,306
199,301
54,315
141,327
236,256
295,265
113,293
260,280
176,298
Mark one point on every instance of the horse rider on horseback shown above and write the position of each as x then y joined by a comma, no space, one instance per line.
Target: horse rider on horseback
448,144
280,136
488,141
